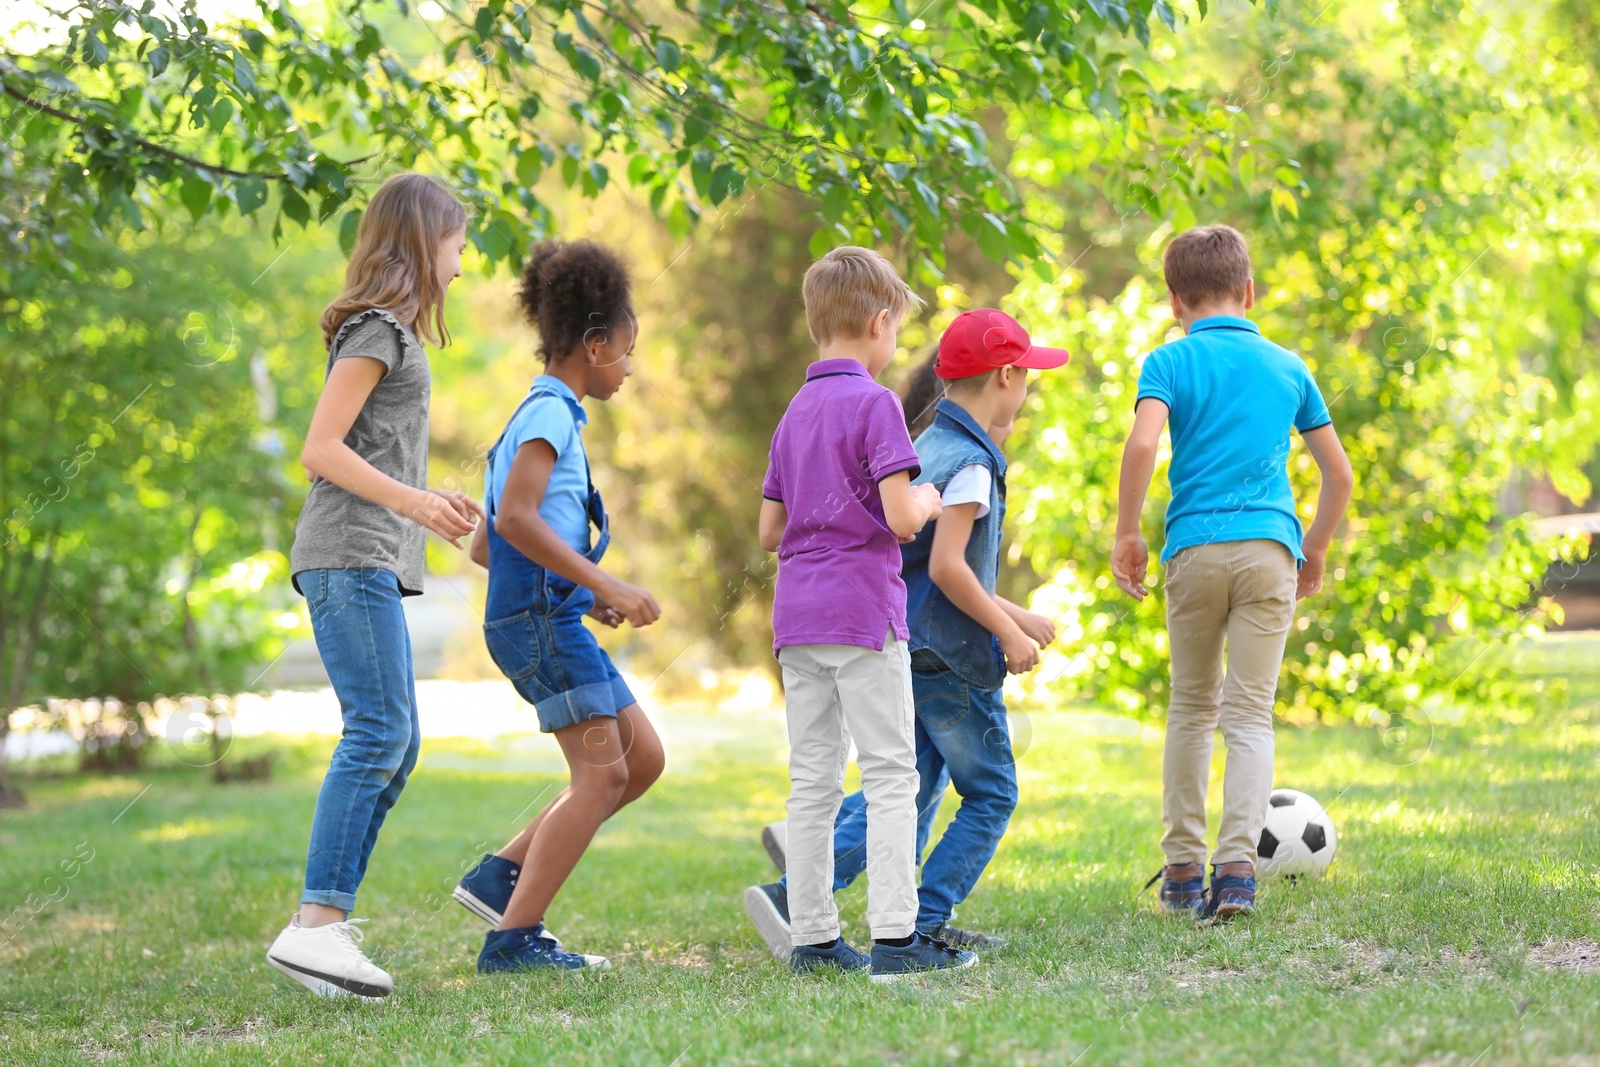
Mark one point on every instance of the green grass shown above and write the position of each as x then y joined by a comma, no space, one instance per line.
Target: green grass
1415,949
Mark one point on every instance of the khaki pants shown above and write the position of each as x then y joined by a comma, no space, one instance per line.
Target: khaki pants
1241,591
834,692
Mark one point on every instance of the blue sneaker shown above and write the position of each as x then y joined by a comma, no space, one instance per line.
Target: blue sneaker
529,948
804,959
890,963
1183,889
768,907
486,889
1233,892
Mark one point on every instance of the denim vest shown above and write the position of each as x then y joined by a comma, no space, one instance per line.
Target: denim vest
517,583
954,441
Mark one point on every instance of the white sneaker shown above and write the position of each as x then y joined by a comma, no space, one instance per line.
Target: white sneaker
328,960
775,839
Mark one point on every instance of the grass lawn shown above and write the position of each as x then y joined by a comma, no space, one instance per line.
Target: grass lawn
1458,924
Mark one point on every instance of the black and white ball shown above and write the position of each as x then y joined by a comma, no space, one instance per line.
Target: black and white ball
1297,841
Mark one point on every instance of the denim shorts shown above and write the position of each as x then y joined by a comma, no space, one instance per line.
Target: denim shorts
555,663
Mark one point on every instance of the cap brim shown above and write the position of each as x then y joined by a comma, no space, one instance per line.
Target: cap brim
1041,358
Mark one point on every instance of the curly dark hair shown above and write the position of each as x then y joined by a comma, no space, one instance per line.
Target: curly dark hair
919,393
570,288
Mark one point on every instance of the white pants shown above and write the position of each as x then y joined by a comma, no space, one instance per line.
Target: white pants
833,693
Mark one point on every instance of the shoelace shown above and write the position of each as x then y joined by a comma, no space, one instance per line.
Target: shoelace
349,936
1154,879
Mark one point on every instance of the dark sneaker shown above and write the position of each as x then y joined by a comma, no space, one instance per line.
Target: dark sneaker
768,907
529,948
956,937
804,959
486,889
1183,888
1233,891
775,839
891,963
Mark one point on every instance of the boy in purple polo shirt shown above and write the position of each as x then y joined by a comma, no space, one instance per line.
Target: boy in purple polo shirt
838,501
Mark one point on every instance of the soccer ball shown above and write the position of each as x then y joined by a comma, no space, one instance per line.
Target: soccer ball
1297,840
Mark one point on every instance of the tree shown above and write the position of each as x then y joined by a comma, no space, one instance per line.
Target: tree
872,111
1431,252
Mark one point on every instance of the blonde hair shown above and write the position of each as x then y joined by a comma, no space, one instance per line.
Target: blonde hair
392,265
845,288
1207,263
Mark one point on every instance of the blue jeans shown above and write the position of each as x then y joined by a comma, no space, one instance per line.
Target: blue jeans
962,740
366,649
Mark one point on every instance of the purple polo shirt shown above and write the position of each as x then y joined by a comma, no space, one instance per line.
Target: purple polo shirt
838,562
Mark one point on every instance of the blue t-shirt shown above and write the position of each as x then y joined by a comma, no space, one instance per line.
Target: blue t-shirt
1233,397
555,419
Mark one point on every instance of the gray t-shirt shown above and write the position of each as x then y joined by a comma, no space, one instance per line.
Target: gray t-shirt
339,530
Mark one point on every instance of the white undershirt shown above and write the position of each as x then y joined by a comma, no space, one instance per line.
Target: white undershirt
970,485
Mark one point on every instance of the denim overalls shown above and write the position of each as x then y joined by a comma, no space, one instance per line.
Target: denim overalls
534,622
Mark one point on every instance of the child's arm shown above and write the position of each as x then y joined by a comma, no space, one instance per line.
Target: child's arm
908,508
948,567
517,519
1036,626
1337,482
774,519
449,514
1130,558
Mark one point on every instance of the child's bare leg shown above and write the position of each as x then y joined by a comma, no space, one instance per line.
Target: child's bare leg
645,760
598,758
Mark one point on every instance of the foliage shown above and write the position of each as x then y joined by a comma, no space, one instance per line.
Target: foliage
1438,271
139,493
873,111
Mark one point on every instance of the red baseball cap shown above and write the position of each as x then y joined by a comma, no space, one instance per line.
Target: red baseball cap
981,340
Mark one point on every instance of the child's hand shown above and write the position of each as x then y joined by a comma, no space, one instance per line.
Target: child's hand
1130,561
1021,654
629,601
444,516
928,496
465,506
1039,629
1310,579
605,614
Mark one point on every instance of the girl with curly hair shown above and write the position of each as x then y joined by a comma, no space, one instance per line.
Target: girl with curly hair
544,576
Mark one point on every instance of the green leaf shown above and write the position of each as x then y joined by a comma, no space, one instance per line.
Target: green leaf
585,62
599,174
896,171
349,226
221,112
158,59
195,194
929,197
249,194
639,168
668,55
724,179
295,206
530,164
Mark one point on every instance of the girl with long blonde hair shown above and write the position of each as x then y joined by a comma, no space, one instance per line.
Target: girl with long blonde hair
358,549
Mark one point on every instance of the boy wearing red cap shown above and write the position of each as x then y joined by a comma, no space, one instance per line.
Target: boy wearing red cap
964,637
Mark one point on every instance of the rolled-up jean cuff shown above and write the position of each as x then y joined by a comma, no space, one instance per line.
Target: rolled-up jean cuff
595,700
345,902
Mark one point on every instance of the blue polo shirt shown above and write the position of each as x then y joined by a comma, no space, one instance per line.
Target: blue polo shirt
1234,396
553,417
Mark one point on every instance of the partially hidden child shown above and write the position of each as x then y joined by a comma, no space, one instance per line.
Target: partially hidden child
964,636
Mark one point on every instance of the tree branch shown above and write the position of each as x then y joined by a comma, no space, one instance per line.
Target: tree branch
151,146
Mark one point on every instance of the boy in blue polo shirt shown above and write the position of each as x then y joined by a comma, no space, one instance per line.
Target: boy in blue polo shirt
1235,556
